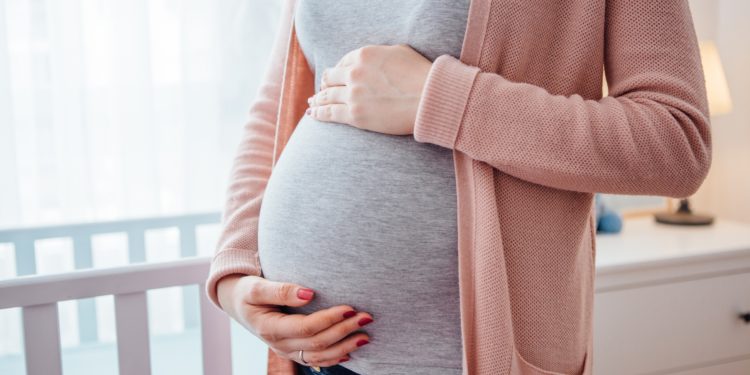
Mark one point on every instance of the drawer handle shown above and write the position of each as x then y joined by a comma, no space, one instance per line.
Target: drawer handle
745,317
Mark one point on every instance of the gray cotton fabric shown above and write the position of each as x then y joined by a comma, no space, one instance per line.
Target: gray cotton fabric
365,218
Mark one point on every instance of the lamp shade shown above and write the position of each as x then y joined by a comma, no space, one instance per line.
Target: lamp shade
719,101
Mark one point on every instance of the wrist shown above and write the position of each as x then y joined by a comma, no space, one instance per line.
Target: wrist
443,101
225,290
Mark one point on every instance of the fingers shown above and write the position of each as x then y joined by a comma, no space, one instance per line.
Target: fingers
326,337
262,291
332,113
330,95
333,354
336,76
342,72
352,56
275,326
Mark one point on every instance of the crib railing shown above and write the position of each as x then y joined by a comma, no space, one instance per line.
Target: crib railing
38,295
24,242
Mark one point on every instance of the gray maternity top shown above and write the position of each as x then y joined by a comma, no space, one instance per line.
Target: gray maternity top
365,218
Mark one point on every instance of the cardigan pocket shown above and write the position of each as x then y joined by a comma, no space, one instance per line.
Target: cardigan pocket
520,366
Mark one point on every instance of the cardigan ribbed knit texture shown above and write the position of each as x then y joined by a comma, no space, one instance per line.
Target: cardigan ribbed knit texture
532,141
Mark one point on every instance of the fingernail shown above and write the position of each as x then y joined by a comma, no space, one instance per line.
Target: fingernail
350,314
305,293
307,111
364,321
309,100
362,342
343,360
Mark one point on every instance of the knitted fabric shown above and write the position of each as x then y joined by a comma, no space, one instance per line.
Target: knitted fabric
532,140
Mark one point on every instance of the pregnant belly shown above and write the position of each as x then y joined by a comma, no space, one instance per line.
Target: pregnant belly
369,220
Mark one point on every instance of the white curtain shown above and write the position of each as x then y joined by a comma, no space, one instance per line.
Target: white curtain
112,109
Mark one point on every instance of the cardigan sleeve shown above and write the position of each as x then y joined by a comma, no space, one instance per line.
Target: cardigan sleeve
237,247
650,136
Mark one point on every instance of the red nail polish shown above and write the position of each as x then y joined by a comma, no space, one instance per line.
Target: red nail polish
362,342
304,293
350,314
364,321
343,360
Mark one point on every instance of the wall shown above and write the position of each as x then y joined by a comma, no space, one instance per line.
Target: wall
726,191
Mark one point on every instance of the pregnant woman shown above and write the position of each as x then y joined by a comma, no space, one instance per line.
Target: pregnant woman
413,193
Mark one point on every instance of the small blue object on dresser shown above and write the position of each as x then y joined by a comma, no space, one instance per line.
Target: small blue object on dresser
607,220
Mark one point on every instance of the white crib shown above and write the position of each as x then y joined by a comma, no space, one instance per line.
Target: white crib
37,296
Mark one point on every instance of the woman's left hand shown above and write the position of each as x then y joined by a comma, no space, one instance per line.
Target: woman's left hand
376,88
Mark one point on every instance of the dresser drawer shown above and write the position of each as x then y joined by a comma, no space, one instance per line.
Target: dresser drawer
671,326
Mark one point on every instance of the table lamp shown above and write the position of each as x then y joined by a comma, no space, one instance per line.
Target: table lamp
719,103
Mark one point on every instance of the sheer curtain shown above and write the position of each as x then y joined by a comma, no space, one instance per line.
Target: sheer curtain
112,109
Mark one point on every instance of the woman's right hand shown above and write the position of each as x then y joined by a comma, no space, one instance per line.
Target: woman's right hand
324,335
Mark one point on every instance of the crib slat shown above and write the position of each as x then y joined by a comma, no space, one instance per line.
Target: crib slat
188,243
41,334
188,248
215,337
131,320
25,256
84,258
136,246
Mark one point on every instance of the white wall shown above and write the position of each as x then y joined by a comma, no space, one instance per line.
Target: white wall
726,191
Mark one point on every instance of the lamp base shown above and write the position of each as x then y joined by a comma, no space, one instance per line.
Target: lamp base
683,216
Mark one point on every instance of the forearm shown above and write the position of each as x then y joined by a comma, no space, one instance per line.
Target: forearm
237,247
650,136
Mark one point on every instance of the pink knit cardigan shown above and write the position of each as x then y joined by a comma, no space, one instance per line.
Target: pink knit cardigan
533,140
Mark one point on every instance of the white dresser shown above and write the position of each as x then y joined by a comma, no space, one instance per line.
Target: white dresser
669,298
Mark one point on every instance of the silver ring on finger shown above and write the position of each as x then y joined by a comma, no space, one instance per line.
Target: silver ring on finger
302,359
